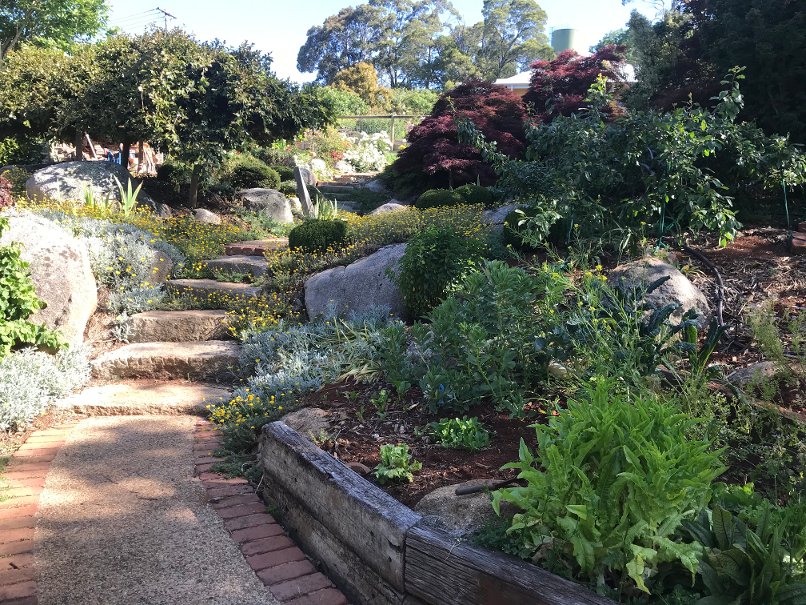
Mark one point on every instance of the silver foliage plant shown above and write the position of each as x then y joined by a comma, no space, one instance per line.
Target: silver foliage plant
30,381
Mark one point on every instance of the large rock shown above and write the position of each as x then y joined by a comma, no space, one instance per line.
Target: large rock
304,178
754,373
61,272
310,422
677,289
496,216
362,286
460,516
390,207
344,167
68,180
203,215
268,201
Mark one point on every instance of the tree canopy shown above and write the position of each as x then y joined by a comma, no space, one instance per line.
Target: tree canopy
50,23
422,43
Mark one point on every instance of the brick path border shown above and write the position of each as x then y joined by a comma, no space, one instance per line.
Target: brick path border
25,477
276,560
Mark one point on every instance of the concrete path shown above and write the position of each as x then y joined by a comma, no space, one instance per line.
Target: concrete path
123,521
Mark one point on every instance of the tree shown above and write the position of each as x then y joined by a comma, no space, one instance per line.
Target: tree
343,40
560,86
50,23
362,79
436,158
512,37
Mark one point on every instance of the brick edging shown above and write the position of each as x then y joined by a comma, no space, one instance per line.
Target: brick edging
25,477
276,560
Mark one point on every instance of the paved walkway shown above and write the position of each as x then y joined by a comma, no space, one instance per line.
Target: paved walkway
123,521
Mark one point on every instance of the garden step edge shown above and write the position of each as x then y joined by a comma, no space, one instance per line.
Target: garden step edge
200,360
240,263
210,286
178,326
144,397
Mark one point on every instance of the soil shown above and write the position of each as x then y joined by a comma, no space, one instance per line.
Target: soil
358,433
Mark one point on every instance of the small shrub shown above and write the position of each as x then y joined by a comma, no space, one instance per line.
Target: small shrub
476,194
432,261
317,235
528,229
461,433
30,381
6,193
288,188
396,464
613,481
286,173
246,172
433,198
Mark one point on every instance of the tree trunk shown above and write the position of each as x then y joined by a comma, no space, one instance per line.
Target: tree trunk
78,141
124,155
140,156
193,197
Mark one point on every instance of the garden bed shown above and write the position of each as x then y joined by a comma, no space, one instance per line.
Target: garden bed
379,551
358,431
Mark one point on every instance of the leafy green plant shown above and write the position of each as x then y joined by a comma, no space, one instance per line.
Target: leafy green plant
381,403
18,301
433,259
615,477
433,198
753,553
396,464
476,194
461,433
286,173
325,209
317,235
128,197
103,206
245,172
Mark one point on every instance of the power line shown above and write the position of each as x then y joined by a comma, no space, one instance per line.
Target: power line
165,16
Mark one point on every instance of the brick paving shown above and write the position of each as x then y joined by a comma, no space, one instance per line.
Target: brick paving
22,483
275,559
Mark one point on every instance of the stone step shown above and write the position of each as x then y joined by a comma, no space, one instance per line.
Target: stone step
203,287
208,360
256,247
329,188
178,326
339,197
240,263
144,397
798,243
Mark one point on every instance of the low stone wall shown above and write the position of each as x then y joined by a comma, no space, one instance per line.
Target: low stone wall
379,551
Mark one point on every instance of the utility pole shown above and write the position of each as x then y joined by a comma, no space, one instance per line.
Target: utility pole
165,16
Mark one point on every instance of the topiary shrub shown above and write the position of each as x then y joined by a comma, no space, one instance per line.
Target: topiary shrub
433,260
317,235
476,194
288,188
286,172
246,172
434,198
6,194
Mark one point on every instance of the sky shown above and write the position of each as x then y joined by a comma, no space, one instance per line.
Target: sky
279,26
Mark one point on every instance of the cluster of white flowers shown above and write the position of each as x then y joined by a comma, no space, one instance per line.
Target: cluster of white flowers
369,151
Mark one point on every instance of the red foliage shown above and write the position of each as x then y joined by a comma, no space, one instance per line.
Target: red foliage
559,86
6,197
434,155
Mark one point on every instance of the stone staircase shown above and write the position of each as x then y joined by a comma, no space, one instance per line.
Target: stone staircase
171,355
799,239
342,189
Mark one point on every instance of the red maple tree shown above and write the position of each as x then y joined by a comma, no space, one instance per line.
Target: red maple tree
434,149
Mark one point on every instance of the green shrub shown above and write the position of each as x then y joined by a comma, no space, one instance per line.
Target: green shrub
461,433
288,188
434,198
529,229
286,172
246,171
18,301
613,481
476,194
316,235
433,260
